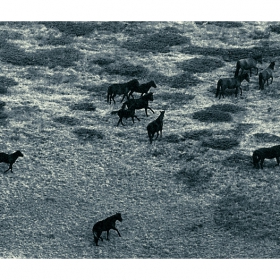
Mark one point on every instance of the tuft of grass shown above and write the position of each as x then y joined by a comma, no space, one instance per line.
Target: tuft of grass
266,137
87,134
231,108
194,178
198,134
7,82
126,69
2,104
64,57
238,159
84,106
210,115
67,120
275,28
184,80
103,61
157,42
200,65
173,138
226,24
51,40
248,217
220,143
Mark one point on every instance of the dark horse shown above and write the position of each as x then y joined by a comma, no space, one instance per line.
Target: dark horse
144,88
140,103
266,74
119,89
248,64
270,153
10,159
105,225
125,113
231,83
155,127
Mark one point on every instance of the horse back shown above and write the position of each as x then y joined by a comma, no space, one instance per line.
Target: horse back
268,152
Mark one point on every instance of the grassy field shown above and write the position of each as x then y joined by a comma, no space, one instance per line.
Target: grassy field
192,194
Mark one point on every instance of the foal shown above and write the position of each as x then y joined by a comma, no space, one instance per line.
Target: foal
105,225
140,103
10,159
125,113
248,64
231,83
270,153
155,127
266,74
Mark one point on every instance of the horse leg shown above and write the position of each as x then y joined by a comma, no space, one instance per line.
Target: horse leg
10,167
151,109
137,118
262,160
240,90
108,235
278,161
157,136
114,228
271,80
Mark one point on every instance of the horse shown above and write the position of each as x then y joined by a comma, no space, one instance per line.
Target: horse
140,103
155,127
125,113
270,153
105,225
119,89
144,88
231,83
266,74
10,159
248,64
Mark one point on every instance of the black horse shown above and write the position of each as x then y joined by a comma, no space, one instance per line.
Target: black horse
120,89
140,103
10,159
231,83
266,74
155,127
270,153
144,88
248,64
105,225
125,113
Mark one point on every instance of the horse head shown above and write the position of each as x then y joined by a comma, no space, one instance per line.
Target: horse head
118,216
153,84
272,64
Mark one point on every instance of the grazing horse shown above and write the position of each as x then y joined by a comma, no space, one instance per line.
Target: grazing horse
105,225
248,64
231,83
270,153
119,89
144,88
266,74
125,113
140,103
10,159
155,127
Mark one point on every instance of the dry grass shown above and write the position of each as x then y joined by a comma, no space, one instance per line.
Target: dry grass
192,194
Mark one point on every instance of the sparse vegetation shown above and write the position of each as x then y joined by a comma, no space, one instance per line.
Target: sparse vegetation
192,194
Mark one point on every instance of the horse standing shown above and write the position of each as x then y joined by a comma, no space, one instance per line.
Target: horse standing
248,64
231,83
270,153
266,74
155,127
140,103
120,89
105,225
144,88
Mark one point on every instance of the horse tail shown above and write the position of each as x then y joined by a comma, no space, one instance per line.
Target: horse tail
261,81
237,68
